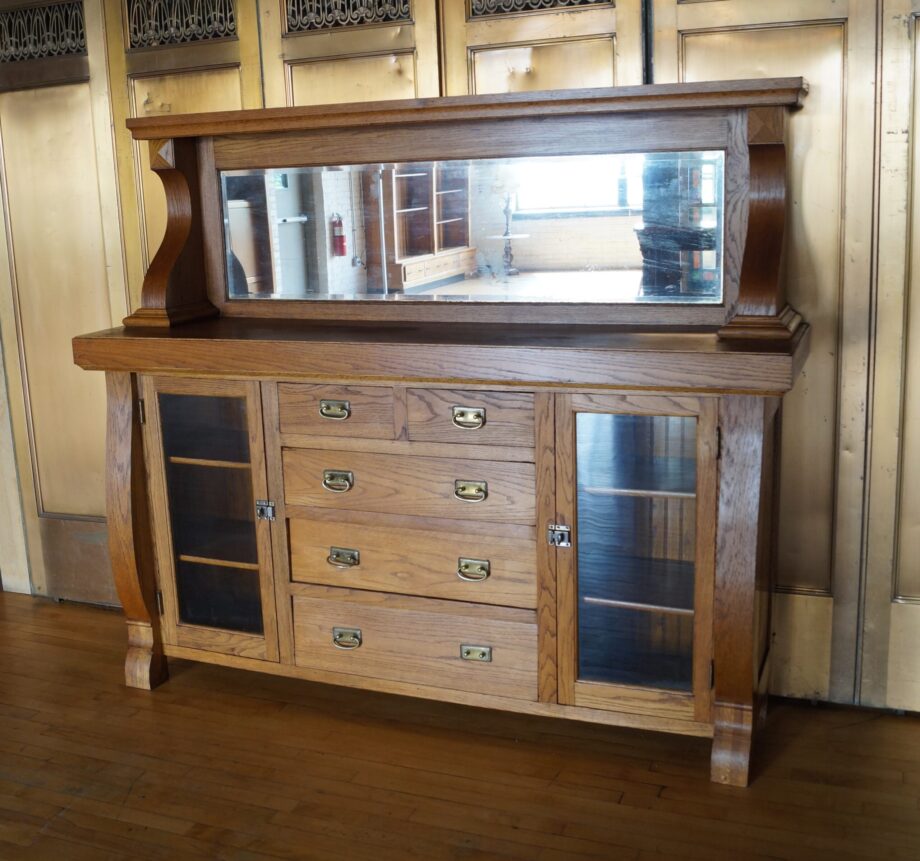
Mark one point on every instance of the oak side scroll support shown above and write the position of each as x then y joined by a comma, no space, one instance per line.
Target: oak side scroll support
174,288
762,310
742,483
130,540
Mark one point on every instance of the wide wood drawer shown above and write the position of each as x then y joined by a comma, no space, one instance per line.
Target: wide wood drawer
485,418
329,410
417,640
482,569
404,484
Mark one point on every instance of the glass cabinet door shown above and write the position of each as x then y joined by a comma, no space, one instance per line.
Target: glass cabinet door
637,489
204,447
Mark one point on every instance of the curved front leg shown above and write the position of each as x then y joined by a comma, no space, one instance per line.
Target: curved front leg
130,541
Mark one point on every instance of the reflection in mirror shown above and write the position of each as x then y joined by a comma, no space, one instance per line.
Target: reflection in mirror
635,227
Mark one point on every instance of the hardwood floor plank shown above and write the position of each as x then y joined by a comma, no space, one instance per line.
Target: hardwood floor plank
231,765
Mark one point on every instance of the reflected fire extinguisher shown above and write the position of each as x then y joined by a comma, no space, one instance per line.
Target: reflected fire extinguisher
339,248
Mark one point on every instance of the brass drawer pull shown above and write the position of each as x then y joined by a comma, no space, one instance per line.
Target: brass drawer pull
346,638
338,481
483,654
468,418
343,557
473,570
338,411
471,491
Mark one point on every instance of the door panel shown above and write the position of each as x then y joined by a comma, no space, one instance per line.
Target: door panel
546,66
357,79
891,618
49,144
322,52
539,46
828,265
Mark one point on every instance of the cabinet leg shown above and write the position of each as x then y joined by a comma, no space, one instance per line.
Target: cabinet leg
130,540
145,663
731,745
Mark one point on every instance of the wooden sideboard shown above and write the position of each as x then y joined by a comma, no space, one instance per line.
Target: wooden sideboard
563,509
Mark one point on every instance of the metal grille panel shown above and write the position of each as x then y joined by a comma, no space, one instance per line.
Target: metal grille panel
306,15
39,32
487,8
152,23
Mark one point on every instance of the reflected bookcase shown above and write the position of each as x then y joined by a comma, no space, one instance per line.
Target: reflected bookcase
349,443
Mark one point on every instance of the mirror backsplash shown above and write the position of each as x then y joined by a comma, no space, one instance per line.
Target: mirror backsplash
624,228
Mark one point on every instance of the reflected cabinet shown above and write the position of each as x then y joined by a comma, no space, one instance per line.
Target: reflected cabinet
471,399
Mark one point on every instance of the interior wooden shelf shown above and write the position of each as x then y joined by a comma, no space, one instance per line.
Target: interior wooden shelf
409,209
644,476
232,541
635,605
219,563
640,582
219,464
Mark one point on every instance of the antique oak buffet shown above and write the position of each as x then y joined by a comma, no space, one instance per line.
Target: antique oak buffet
473,399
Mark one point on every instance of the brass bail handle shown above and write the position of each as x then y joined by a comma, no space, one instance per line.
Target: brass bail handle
473,570
471,491
338,480
346,638
338,411
343,557
468,418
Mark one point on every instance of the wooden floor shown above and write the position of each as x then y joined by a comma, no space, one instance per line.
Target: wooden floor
224,764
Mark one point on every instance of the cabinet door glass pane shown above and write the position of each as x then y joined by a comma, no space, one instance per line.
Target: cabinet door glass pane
219,597
211,512
211,516
636,541
210,428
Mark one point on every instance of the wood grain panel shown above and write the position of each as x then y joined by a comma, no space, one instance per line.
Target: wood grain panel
371,410
635,99
397,484
415,562
403,640
484,353
515,136
509,418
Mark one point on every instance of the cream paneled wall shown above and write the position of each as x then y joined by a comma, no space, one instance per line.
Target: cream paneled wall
829,264
848,609
61,272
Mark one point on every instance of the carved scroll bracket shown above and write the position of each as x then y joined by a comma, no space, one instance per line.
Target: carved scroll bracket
762,310
174,287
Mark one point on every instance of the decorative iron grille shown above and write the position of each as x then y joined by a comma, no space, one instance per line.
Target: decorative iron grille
152,23
485,8
304,15
39,32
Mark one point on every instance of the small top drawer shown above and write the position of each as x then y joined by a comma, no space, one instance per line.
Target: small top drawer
486,418
323,410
